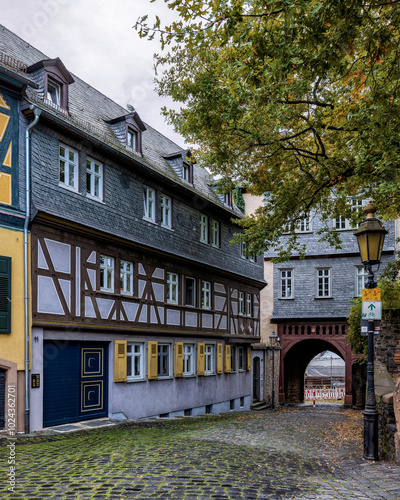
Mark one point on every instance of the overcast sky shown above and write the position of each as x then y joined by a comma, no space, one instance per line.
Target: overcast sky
96,41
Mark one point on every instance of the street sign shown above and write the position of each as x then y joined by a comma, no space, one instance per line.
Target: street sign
371,294
371,309
364,327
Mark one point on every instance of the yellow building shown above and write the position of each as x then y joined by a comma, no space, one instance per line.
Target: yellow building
14,331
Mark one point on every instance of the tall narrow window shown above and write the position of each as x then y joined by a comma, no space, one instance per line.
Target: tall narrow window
126,277
163,362
68,160
241,364
340,222
190,292
134,360
209,358
249,304
203,228
106,273
215,233
188,359
242,305
132,139
286,283
206,295
172,288
94,179
361,279
324,283
149,204
233,359
187,172
166,211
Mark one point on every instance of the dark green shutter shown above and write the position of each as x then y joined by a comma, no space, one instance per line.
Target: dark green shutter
5,294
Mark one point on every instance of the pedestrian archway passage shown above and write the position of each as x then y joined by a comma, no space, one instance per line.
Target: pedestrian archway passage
300,343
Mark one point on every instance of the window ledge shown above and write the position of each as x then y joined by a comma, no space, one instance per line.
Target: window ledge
134,380
323,298
69,188
150,221
94,198
285,298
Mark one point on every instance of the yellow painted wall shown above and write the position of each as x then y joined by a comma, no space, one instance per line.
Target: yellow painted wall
12,345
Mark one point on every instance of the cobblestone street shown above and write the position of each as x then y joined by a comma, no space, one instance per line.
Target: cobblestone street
294,453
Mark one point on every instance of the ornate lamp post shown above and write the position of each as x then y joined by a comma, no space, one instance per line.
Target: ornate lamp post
370,237
273,340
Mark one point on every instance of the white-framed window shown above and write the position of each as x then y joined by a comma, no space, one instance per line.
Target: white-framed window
188,360
164,360
206,295
106,273
233,358
53,92
172,288
242,304
324,282
244,254
215,233
249,304
135,361
126,277
149,204
304,226
241,356
228,198
361,280
69,168
94,179
286,284
203,228
166,211
132,139
190,291
209,359
341,223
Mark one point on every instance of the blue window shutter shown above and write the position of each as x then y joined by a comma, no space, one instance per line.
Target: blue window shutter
5,294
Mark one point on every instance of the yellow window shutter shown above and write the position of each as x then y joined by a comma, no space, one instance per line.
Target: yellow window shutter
178,347
219,358
227,359
152,358
120,361
200,358
248,364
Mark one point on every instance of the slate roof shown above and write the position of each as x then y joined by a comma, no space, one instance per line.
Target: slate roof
89,110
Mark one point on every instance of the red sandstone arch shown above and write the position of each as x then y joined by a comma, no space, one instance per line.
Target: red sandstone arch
300,343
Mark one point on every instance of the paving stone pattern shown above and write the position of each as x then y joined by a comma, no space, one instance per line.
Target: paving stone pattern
286,453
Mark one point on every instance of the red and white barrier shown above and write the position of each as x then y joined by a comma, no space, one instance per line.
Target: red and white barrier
320,394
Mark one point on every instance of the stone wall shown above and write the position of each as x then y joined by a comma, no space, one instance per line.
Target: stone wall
387,429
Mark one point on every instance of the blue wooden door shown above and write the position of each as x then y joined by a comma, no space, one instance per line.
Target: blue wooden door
74,381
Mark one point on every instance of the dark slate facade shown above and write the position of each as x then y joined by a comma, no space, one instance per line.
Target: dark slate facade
130,318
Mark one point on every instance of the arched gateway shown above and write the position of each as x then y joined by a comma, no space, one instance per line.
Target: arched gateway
300,343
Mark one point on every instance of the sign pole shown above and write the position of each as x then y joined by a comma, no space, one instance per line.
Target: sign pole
370,413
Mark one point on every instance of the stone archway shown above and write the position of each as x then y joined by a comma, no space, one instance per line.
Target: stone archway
300,343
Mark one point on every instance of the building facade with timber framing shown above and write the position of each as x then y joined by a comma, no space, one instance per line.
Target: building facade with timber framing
140,305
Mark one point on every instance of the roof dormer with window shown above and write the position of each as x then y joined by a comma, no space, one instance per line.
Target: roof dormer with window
182,163
53,79
128,129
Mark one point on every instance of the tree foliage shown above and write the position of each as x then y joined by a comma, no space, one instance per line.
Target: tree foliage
295,98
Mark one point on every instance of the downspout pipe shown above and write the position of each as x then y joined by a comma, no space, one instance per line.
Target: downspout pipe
37,113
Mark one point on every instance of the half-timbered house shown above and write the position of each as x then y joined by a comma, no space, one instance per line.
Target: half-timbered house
141,307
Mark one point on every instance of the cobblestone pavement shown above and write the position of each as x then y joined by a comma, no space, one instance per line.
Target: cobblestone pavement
290,453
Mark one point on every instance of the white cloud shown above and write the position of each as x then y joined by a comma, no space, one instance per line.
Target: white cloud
96,41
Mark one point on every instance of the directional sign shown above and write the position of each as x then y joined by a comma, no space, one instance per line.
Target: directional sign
371,294
371,309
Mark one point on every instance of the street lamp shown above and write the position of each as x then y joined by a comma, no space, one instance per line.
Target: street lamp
273,341
370,237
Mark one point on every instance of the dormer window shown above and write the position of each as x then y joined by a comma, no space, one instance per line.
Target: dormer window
56,79
128,129
53,92
132,139
228,199
186,172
